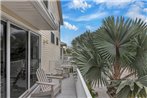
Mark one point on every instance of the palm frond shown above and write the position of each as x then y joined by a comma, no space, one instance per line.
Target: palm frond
133,88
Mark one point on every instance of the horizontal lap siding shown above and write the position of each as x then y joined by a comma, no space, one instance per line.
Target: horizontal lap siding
50,51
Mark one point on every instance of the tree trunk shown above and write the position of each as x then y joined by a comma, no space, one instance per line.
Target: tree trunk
117,68
116,74
111,91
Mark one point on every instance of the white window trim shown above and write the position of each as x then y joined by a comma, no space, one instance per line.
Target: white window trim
8,59
29,54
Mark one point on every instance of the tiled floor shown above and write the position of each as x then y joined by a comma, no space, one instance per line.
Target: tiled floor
68,88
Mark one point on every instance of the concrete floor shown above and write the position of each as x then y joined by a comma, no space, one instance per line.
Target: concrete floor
68,88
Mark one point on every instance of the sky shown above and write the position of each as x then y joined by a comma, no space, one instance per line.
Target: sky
82,15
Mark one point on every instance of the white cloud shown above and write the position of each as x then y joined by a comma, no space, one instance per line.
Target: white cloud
91,28
116,12
139,3
88,27
70,26
135,11
65,17
68,17
145,10
110,3
79,4
97,15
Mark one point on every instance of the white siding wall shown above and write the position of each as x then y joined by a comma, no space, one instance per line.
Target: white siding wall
50,51
53,8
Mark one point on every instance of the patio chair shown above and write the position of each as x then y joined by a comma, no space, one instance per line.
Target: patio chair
62,70
47,85
57,70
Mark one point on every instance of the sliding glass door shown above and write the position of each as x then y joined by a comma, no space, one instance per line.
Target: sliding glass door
35,57
3,60
24,55
19,61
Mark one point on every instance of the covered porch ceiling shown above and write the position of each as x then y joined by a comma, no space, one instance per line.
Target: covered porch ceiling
32,11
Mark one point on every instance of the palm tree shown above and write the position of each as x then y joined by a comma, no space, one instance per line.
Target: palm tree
118,45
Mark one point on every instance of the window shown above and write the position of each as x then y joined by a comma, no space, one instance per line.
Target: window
45,3
57,41
52,38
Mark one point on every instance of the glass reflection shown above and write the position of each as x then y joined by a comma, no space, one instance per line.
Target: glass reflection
18,66
34,58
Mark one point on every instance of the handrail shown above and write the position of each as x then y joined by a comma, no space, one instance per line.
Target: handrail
30,91
86,90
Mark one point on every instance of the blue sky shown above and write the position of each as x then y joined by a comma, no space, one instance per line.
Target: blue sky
82,15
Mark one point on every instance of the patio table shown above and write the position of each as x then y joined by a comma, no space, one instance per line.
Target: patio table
66,69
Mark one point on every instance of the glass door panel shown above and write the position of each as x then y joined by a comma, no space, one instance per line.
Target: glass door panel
18,64
35,57
3,60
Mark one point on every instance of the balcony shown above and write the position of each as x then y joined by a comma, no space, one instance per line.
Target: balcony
34,13
73,86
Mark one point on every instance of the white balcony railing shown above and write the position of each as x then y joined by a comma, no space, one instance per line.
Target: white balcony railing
81,87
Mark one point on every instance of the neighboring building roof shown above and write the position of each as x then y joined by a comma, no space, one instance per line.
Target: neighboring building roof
60,11
63,44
